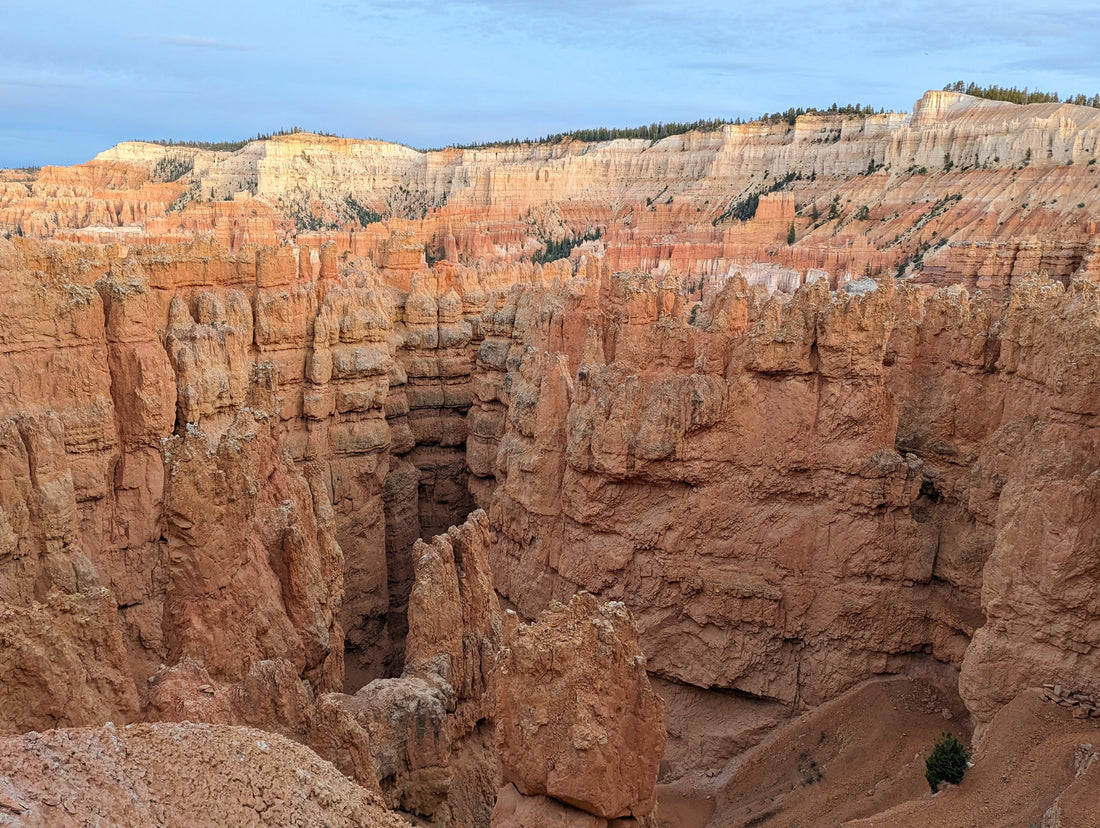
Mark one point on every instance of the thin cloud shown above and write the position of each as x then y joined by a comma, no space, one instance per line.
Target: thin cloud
26,83
191,42
719,67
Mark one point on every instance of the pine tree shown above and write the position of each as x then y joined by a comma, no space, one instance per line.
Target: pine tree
947,762
790,234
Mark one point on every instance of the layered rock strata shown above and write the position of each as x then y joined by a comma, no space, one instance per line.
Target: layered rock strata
433,729
227,448
843,458
962,190
796,493
222,458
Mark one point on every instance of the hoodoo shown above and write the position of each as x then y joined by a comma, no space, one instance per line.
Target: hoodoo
697,481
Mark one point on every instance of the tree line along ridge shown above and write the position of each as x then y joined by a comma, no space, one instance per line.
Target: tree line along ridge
1013,94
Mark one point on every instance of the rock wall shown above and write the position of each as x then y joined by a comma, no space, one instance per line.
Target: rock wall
433,729
581,728
143,394
793,494
213,469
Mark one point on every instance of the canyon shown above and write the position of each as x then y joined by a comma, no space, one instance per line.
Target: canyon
788,463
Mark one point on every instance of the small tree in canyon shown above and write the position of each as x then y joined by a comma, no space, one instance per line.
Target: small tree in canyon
947,762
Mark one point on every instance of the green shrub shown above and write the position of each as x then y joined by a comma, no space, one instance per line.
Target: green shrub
947,762
554,249
744,209
172,167
359,212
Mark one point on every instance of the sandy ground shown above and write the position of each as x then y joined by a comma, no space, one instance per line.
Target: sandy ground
859,761
1024,769
706,730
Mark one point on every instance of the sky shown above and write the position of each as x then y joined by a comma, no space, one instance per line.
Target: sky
78,77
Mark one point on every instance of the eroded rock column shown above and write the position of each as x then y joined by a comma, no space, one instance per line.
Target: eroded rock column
582,731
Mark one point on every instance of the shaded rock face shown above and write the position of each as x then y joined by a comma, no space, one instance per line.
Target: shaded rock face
424,740
254,572
244,469
791,492
189,560
795,494
1039,583
64,663
579,721
433,728
271,697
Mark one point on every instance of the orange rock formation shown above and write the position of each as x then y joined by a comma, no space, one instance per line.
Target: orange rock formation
228,445
580,723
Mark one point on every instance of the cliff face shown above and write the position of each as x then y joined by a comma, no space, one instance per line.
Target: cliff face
224,458
140,405
796,494
962,190
790,493
582,728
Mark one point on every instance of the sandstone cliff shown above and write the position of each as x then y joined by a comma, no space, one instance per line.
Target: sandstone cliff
796,494
961,190
239,462
791,493
434,727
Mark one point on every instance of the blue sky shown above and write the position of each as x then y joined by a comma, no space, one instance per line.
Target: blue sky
77,77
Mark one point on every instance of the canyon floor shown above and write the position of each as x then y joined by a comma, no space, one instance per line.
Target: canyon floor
859,761
694,482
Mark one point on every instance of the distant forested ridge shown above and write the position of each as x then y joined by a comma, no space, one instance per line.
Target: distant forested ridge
1016,95
658,130
232,146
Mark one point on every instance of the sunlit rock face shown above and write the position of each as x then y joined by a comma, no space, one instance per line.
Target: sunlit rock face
790,491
